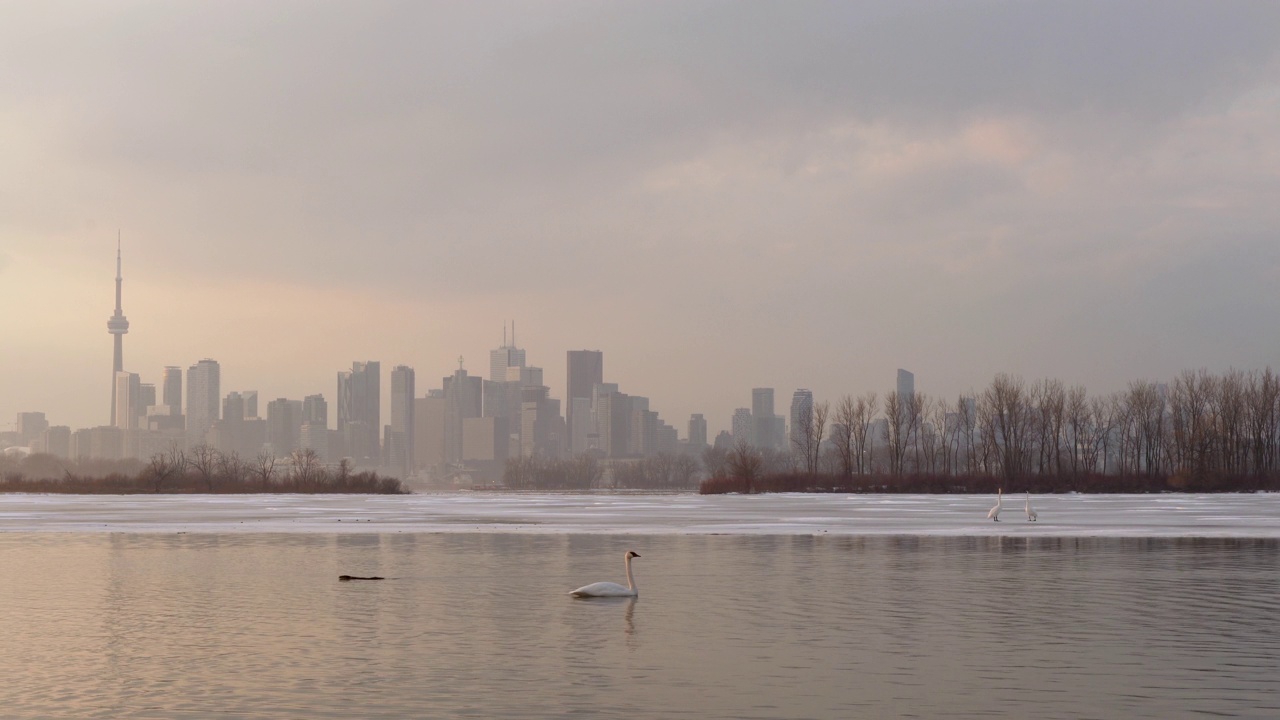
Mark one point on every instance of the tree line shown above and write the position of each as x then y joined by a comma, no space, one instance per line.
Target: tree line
1202,431
201,469
585,472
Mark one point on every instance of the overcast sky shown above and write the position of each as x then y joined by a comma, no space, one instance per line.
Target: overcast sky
718,195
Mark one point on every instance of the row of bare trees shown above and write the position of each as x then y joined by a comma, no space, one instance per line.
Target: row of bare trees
1200,424
208,470
535,472
584,472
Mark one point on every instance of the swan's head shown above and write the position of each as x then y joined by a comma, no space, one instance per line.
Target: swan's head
632,553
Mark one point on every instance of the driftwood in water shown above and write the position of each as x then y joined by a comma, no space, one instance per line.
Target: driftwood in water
344,578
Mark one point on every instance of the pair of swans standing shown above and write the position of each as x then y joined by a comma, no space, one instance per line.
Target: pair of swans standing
994,513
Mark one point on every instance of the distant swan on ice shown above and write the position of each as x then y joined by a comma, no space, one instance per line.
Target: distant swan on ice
608,589
1031,514
994,513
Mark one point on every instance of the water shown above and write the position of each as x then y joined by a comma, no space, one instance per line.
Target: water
256,625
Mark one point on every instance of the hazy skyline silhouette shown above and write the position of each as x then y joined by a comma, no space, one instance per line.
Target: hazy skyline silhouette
718,196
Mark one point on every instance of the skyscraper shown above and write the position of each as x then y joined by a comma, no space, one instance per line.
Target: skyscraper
360,410
127,393
204,389
30,426
767,426
464,398
906,394
315,411
507,356
743,427
585,371
171,394
117,326
801,416
697,431
906,385
400,453
284,425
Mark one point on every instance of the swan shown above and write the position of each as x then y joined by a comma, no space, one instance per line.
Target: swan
608,589
994,513
1031,514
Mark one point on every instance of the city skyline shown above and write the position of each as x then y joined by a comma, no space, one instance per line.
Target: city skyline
717,196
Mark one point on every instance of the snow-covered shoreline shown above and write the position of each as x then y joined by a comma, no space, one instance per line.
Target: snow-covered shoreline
1173,515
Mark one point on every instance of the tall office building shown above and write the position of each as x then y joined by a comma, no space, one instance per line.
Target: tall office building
315,411
31,425
906,393
400,453
171,393
507,356
767,426
906,385
204,388
585,371
464,397
117,326
743,426
429,414
284,425
250,404
360,411
146,400
801,416
127,394
762,402
697,431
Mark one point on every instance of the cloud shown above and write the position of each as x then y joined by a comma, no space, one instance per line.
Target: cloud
872,181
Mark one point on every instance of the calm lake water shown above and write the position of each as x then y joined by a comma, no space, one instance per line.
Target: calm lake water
256,625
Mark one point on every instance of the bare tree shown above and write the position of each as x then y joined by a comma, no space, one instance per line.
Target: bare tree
264,468
897,415
714,461
966,433
1005,414
864,413
684,472
231,469
940,422
807,437
204,461
1048,399
1264,420
165,466
305,468
744,463
584,471
1077,427
842,434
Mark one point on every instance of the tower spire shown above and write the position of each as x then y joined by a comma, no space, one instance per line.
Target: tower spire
117,326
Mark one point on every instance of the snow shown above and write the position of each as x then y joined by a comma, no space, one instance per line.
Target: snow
1223,515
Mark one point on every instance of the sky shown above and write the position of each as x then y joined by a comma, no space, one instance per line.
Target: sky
717,195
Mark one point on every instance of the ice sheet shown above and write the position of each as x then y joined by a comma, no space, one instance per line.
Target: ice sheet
1231,515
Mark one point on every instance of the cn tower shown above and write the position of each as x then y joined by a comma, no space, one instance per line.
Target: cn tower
118,325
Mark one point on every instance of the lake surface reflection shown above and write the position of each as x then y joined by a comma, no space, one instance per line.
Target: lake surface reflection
480,625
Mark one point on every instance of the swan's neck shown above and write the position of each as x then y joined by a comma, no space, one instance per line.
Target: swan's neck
631,583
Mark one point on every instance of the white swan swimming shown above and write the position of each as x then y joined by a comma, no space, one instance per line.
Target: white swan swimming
1031,514
994,513
608,589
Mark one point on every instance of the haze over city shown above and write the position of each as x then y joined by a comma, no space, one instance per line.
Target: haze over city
718,196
